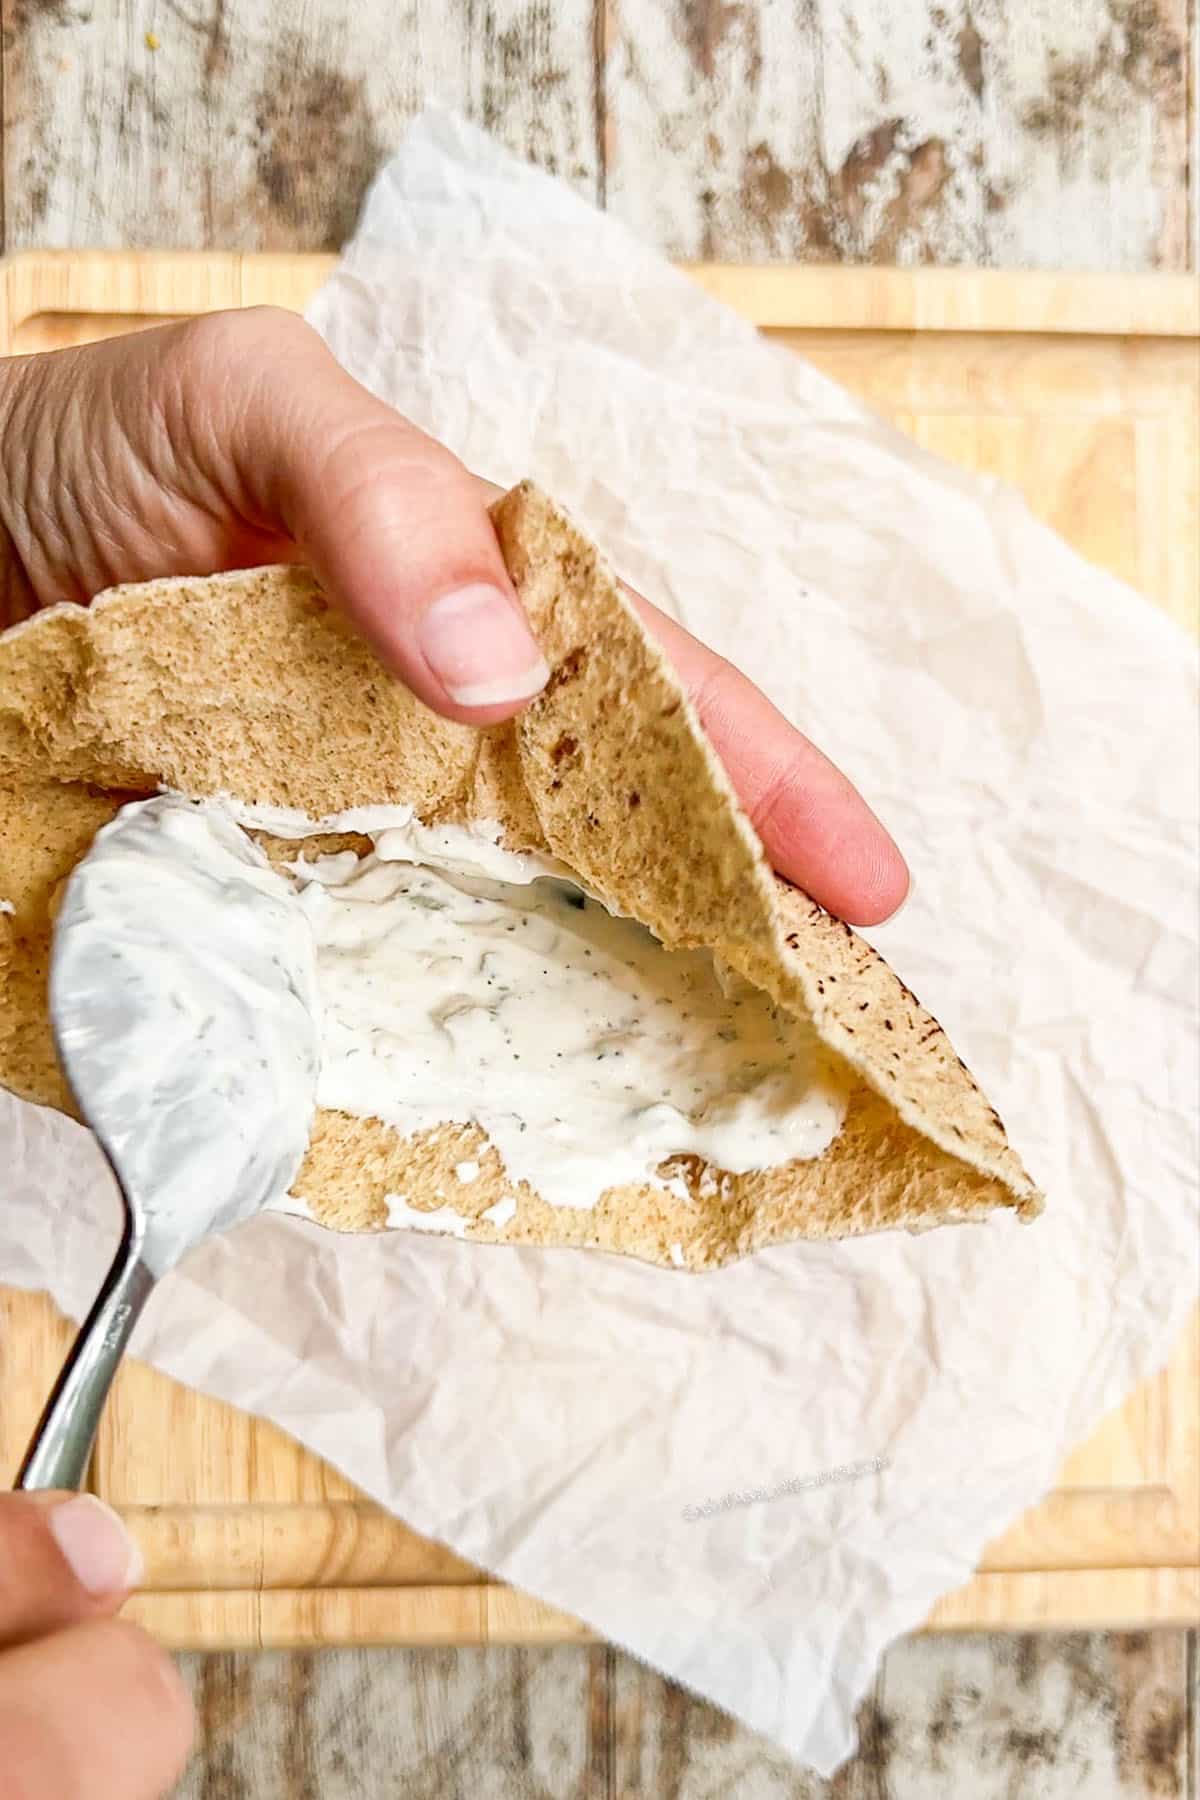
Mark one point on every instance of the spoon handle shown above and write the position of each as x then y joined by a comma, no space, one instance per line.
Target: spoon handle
61,1447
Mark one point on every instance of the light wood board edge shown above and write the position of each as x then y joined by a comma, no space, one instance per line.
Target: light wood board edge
325,1543
283,1619
797,296
846,298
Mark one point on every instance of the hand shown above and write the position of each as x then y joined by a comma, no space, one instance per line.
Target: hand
237,439
90,1708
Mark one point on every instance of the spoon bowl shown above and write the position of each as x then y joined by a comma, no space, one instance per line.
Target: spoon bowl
184,1006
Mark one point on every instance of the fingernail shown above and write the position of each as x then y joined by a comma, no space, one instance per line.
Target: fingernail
103,1557
480,648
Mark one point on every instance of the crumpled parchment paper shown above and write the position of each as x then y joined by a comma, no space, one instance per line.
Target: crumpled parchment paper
1026,725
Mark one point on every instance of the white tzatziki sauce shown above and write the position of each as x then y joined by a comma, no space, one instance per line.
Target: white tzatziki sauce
461,982
183,990
438,979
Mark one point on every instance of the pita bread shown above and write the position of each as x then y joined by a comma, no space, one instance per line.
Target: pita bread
250,684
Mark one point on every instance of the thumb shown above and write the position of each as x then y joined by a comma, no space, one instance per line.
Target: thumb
64,1559
395,526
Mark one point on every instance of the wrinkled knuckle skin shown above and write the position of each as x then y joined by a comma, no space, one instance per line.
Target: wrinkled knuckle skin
275,327
228,338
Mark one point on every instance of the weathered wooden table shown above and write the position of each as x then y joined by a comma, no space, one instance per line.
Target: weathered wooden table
1049,133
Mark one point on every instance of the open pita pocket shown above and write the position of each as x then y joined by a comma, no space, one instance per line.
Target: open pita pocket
251,685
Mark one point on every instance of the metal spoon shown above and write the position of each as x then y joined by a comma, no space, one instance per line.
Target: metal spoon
184,1006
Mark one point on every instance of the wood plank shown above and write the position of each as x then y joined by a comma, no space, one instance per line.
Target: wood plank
428,1724
927,131
922,133
479,1613
1059,467
34,1339
301,1543
950,373
1078,1599
301,1618
239,124
961,1717
1062,419
316,1543
825,298
1089,1716
103,283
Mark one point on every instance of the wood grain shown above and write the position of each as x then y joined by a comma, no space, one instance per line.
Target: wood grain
241,124
120,291
1049,134
1065,1717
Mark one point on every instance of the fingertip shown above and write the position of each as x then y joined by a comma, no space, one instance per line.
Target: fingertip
820,833
399,535
884,888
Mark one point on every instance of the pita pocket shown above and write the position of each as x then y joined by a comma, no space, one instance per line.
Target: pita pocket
251,685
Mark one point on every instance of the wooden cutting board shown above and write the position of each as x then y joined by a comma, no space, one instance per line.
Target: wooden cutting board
1083,391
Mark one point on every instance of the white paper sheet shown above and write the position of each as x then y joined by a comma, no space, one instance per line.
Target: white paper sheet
1026,725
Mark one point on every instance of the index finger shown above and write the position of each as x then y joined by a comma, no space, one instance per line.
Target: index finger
815,826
